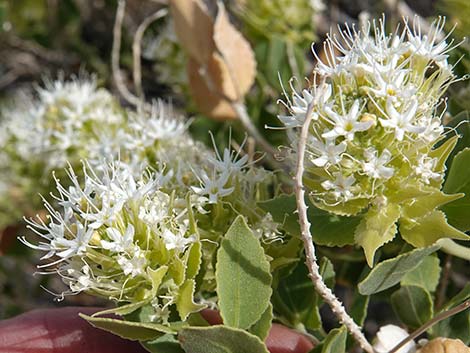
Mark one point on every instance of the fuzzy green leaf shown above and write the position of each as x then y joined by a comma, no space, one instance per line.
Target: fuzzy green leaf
261,327
164,344
425,275
426,230
219,339
376,228
413,305
185,300
458,180
136,331
335,342
243,277
390,272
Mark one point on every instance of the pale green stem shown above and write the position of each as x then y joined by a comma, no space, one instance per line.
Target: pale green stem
452,248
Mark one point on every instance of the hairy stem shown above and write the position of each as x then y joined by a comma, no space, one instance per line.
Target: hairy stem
311,259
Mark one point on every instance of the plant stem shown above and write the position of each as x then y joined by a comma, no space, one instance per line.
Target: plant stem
137,49
311,259
452,248
465,305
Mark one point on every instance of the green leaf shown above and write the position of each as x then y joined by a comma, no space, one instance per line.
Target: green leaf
413,305
425,231
243,277
297,299
457,326
376,228
358,310
219,339
122,310
458,181
164,344
136,331
335,342
261,327
420,206
390,272
156,276
327,229
185,300
442,152
425,275
193,260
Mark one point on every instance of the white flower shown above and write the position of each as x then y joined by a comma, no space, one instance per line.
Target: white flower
347,124
340,187
177,240
375,166
299,105
119,242
229,162
425,169
155,210
401,122
214,187
389,336
133,265
327,152
267,230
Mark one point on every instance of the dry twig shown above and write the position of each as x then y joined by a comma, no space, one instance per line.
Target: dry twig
310,256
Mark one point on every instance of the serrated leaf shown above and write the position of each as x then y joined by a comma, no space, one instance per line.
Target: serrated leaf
421,206
376,228
164,344
185,301
237,54
426,230
261,327
219,339
458,181
390,272
425,275
177,270
194,28
335,342
156,277
136,331
413,305
243,277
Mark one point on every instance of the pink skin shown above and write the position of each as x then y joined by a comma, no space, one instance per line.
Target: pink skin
63,331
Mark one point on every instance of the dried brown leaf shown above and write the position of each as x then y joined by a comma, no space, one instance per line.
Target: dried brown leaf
207,84
445,345
237,53
194,28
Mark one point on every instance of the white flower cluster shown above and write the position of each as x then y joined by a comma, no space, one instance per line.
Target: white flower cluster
375,114
113,234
